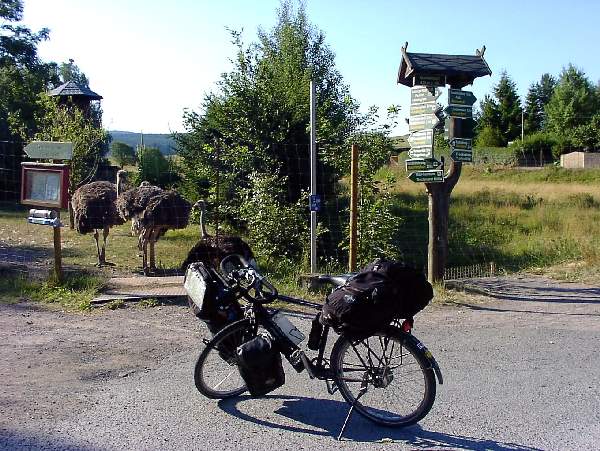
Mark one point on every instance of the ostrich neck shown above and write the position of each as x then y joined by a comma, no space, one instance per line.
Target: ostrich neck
203,233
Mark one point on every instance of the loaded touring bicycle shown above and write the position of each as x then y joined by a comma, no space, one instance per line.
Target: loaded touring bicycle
383,371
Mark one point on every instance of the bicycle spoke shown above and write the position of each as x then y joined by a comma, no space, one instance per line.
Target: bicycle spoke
223,380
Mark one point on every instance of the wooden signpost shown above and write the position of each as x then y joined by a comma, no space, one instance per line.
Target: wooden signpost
424,73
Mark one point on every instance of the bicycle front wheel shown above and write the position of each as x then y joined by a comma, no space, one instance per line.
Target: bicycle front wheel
216,372
385,376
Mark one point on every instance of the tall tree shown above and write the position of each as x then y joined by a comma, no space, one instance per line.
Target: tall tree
259,115
538,96
574,102
509,108
488,124
23,76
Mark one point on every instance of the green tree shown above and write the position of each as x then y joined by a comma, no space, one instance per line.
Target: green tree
23,76
500,118
155,168
509,108
71,72
573,103
488,124
260,112
122,153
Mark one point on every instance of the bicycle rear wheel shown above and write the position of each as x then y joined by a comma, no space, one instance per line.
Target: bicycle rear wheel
216,373
385,376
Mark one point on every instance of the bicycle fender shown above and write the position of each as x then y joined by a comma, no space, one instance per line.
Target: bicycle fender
429,356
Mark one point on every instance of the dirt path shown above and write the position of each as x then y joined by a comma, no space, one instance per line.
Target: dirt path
121,380
52,361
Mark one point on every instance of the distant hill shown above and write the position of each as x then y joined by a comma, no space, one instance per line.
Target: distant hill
162,141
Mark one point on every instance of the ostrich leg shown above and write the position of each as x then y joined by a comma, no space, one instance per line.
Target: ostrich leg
105,233
144,246
153,240
96,236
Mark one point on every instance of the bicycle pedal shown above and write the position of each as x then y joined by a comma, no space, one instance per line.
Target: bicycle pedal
205,341
331,387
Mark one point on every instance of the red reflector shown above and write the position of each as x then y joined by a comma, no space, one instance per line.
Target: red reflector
406,326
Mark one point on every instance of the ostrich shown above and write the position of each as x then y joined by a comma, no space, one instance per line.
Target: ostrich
155,211
94,209
210,251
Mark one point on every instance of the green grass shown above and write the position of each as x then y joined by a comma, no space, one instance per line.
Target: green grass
74,293
520,219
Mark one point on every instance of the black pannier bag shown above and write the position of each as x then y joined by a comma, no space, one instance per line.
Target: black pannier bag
210,298
383,291
259,362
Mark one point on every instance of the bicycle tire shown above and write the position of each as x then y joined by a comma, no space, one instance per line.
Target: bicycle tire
220,357
374,404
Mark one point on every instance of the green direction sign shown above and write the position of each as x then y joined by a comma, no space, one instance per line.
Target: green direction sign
429,80
422,94
424,108
422,122
463,156
459,97
461,111
461,143
421,152
418,164
49,150
434,176
421,138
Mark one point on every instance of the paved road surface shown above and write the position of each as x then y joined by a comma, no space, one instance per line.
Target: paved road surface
520,374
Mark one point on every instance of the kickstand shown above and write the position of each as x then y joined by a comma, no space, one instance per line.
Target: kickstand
363,390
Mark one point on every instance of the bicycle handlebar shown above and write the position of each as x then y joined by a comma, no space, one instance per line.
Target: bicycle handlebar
247,272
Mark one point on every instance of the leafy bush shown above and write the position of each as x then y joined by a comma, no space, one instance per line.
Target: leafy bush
489,137
534,145
277,230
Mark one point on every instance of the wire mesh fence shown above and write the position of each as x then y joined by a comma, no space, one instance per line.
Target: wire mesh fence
270,212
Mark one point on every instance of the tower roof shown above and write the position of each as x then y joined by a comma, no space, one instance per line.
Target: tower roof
460,70
71,88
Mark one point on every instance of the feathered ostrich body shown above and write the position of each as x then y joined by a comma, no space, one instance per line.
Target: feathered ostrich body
210,250
94,209
154,211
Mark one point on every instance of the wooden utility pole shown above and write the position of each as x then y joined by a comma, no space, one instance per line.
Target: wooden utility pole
58,274
353,208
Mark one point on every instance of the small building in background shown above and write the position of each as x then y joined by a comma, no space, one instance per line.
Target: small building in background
580,160
79,95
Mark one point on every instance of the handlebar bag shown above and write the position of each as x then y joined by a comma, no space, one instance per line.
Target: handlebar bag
259,362
383,291
209,297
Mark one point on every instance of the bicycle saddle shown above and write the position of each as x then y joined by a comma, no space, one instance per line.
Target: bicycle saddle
338,280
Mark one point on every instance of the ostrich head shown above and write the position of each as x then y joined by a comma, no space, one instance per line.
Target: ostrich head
201,205
121,181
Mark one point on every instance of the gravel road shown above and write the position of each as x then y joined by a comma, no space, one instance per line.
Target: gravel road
519,375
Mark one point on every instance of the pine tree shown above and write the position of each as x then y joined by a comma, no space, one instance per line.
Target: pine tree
509,108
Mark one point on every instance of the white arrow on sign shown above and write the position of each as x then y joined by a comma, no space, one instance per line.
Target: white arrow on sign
423,94
421,152
422,122
421,138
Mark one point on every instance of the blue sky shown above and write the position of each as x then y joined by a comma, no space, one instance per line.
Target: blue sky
151,59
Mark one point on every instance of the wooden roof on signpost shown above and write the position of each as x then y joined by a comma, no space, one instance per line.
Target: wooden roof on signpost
460,70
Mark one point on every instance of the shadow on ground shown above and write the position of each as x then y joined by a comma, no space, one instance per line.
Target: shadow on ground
324,418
